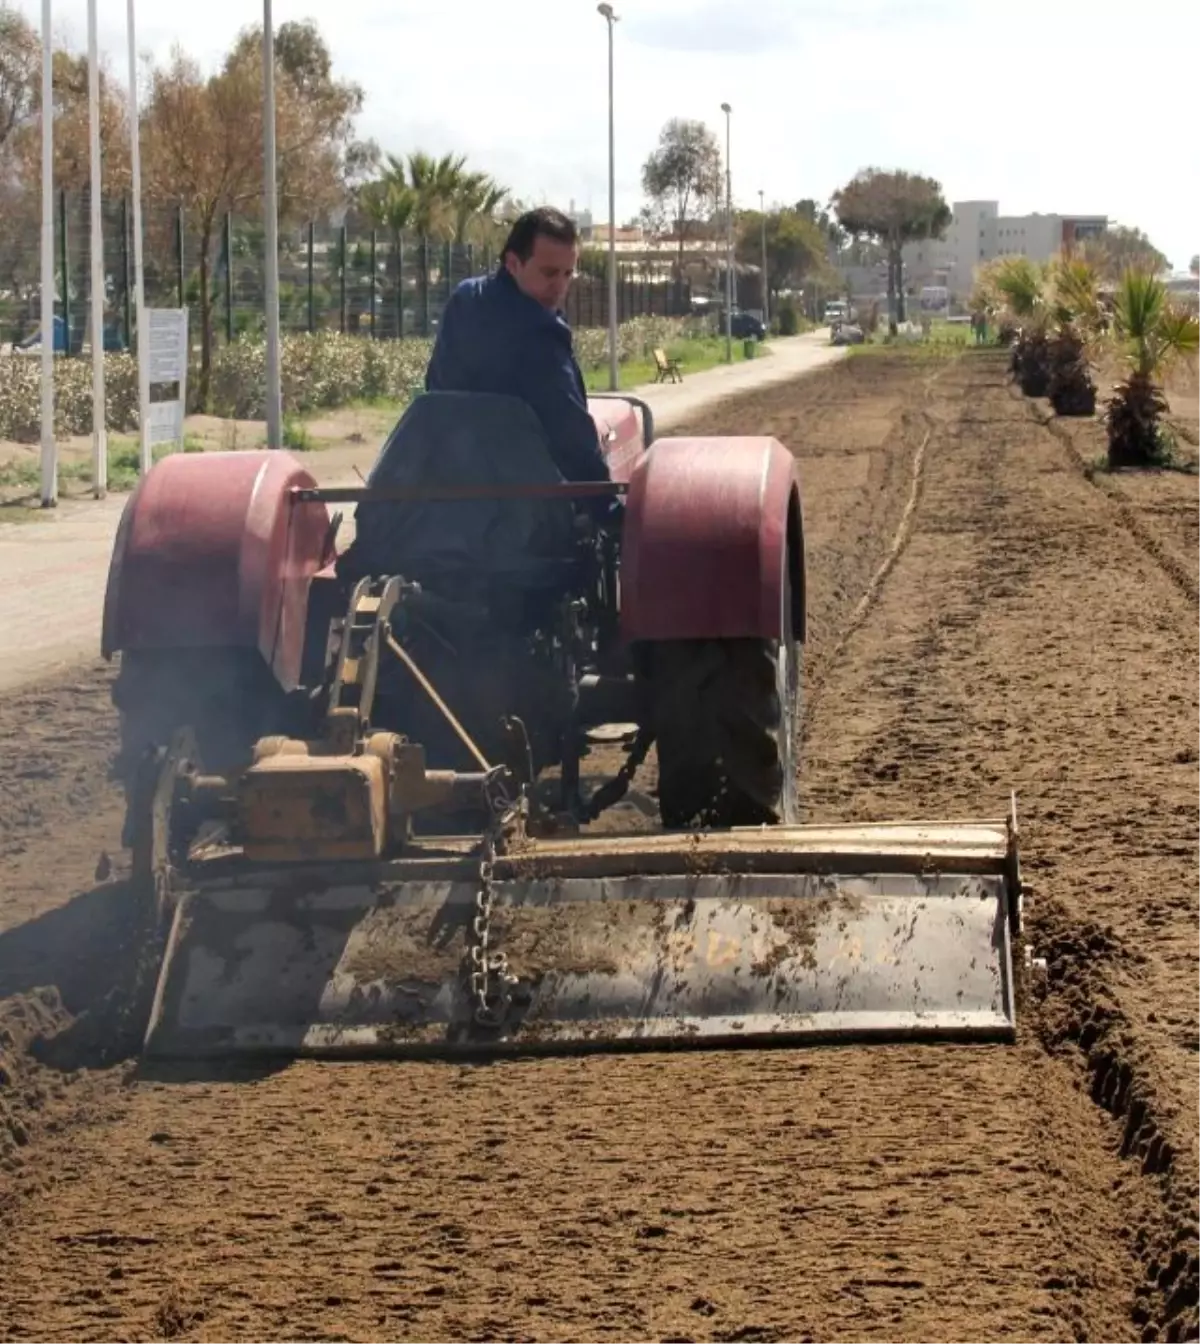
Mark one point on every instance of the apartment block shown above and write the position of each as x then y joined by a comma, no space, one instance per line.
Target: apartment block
978,232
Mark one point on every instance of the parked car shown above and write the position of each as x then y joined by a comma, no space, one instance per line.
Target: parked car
745,326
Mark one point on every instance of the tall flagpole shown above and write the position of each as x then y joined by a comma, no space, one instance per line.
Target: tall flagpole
145,456
96,247
271,213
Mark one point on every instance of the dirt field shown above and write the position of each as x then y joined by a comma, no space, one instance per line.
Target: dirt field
1036,630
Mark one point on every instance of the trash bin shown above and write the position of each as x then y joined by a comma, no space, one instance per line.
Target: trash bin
749,347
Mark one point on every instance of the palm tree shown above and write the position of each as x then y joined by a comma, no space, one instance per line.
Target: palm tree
436,183
477,198
1154,333
1077,320
1022,286
437,199
392,205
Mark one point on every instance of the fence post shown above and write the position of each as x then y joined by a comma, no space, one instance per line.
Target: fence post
371,292
342,279
66,275
399,287
425,285
179,278
227,248
449,279
470,258
126,278
310,277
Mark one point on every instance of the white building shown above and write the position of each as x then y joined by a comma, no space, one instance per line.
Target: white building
978,232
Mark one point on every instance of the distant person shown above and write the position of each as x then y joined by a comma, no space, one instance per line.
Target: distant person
505,333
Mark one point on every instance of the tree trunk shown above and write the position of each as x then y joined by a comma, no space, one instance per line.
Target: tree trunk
901,306
893,272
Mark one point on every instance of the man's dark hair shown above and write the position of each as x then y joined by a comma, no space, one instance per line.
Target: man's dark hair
545,222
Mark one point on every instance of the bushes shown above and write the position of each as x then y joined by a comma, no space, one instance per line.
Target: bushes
21,395
319,371
789,319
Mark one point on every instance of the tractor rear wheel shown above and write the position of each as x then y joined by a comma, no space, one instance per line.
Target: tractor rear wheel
724,720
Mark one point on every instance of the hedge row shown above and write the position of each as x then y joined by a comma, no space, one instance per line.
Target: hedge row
319,371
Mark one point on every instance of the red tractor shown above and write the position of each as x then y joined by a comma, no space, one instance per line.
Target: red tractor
300,722
670,599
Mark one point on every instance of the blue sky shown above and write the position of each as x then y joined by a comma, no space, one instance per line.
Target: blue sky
1002,101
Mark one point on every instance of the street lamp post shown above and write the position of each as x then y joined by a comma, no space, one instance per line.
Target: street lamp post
271,213
611,18
49,461
728,240
762,210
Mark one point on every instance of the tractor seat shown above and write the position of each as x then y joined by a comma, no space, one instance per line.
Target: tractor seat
466,438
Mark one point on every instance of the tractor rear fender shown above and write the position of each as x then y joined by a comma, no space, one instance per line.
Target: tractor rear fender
211,552
711,527
626,428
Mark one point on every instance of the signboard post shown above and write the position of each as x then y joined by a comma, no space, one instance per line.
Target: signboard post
166,357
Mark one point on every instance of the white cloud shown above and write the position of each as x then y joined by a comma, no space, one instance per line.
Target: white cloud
1028,103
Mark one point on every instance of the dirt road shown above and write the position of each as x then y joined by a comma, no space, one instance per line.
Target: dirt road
1026,636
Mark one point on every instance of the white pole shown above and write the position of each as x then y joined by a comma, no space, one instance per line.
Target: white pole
145,456
613,373
49,447
728,240
96,242
271,211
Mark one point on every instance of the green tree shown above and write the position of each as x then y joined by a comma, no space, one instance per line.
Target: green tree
892,208
836,237
682,178
1023,290
1120,248
1154,334
796,248
435,198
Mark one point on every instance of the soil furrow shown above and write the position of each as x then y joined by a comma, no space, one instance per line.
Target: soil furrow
1015,639
1052,654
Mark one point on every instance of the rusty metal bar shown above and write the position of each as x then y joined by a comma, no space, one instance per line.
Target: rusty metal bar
357,494
427,686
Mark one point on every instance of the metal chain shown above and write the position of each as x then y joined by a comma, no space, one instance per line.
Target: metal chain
613,790
492,983
490,1005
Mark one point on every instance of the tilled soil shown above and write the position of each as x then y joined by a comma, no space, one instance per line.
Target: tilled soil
1020,635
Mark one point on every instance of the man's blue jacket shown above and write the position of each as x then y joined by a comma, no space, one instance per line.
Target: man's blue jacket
494,338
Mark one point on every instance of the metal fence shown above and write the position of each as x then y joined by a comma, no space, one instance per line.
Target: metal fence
357,280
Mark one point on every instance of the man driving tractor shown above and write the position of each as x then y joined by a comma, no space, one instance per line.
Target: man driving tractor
505,333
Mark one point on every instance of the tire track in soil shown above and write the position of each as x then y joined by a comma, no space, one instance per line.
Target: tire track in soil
892,553
906,1193
1181,575
1086,1014
1056,654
